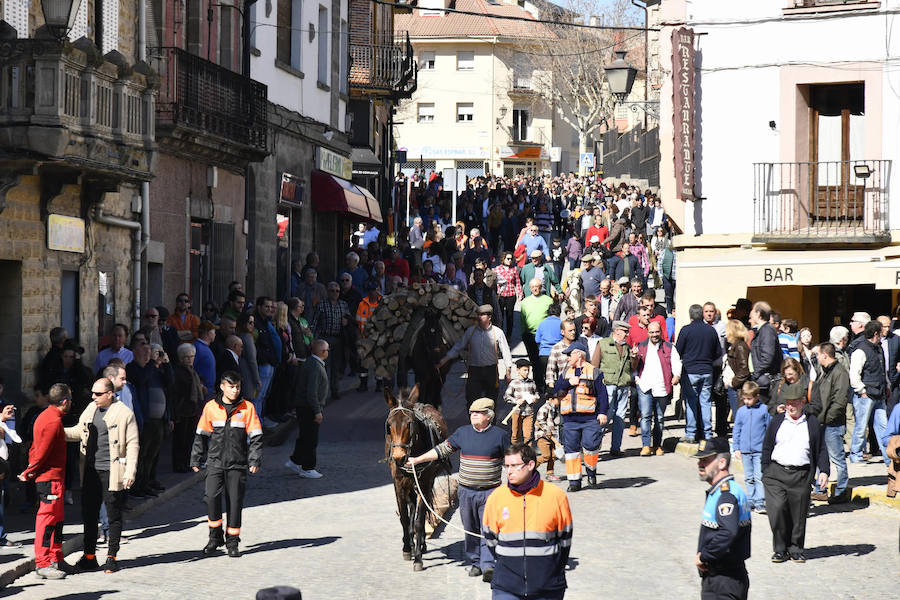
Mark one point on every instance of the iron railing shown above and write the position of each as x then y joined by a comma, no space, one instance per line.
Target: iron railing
383,63
813,3
202,95
821,201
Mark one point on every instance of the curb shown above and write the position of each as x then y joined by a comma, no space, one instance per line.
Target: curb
864,494
74,544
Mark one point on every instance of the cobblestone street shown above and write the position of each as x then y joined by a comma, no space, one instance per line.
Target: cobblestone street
338,537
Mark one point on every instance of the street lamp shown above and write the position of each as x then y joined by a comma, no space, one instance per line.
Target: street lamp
59,16
620,76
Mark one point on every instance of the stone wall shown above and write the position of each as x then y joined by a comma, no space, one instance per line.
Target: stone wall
23,241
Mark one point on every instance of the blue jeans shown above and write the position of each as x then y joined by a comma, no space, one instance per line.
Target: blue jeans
503,595
863,409
104,519
753,478
618,404
733,402
697,404
471,512
834,441
653,410
266,372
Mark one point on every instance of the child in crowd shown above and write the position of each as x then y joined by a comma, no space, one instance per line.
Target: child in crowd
522,392
547,424
750,425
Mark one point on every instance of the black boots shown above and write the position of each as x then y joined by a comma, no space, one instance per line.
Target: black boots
216,541
231,544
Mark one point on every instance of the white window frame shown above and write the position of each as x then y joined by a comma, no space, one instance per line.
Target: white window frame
465,112
296,34
519,126
463,62
426,116
427,60
324,46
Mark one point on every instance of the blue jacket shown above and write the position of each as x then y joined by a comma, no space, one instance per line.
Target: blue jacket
547,334
893,426
750,428
205,366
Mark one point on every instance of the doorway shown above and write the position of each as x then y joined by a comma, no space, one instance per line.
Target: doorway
11,336
838,303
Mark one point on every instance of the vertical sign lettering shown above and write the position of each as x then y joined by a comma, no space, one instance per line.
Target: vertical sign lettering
683,111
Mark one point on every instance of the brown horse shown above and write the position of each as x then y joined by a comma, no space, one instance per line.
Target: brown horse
412,429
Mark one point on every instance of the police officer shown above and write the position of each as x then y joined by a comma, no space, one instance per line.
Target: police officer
583,405
724,542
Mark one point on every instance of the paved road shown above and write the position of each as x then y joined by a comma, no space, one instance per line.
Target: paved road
339,538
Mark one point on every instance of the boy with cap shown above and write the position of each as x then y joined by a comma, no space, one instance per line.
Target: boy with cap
724,542
547,428
522,394
481,448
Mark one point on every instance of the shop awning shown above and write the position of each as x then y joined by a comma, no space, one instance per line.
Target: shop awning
333,194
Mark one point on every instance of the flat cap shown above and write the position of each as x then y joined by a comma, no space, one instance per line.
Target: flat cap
793,391
576,345
536,253
485,309
587,257
712,446
481,405
621,325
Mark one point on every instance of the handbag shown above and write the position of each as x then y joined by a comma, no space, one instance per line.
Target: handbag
728,375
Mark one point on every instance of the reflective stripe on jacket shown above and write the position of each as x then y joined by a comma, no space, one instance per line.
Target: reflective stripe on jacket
231,433
530,536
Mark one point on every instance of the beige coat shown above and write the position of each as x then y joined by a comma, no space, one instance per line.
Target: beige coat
123,441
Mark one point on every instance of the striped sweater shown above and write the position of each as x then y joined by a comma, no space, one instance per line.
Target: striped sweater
480,454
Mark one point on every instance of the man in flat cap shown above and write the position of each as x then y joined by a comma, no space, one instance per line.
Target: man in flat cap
481,448
613,357
489,356
792,450
724,542
583,405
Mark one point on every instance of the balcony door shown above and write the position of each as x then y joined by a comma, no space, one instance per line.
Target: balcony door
837,120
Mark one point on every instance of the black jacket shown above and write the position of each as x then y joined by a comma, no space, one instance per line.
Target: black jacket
830,394
765,350
818,452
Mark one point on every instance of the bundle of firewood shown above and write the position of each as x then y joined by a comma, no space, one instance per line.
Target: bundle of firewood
396,323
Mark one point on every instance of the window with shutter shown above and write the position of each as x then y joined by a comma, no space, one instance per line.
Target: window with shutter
283,33
296,35
222,258
15,12
110,29
324,34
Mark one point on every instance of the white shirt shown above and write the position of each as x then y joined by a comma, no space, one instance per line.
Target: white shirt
12,435
792,443
651,379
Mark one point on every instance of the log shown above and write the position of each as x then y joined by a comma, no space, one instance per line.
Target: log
441,301
400,331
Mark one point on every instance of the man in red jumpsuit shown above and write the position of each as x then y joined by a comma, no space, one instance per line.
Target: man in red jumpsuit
47,468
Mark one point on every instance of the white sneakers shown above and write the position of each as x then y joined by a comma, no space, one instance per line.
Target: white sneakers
306,474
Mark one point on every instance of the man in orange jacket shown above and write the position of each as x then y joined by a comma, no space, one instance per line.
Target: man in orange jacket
528,528
364,311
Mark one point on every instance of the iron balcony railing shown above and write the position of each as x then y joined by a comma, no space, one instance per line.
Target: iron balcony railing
836,201
202,95
383,63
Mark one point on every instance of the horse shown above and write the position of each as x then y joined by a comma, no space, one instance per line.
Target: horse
426,349
411,429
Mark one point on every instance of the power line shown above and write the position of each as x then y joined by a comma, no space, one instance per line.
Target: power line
526,19
583,53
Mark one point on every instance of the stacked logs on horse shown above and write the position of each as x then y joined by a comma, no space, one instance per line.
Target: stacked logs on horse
396,323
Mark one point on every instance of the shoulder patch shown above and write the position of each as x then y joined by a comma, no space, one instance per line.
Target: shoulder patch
505,513
724,486
725,509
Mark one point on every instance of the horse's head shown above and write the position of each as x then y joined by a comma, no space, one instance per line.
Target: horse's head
400,427
433,335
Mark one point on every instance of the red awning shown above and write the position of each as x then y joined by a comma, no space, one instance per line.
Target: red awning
333,194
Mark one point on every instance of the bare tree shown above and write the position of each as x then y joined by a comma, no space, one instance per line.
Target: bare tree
568,68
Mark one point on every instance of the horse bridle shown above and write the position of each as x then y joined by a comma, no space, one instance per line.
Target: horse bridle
412,433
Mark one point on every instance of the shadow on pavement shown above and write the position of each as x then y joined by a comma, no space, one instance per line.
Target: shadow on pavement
828,509
624,482
15,589
12,556
84,595
292,543
839,550
868,480
168,557
168,528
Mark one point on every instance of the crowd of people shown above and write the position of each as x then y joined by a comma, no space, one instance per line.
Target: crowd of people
582,261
